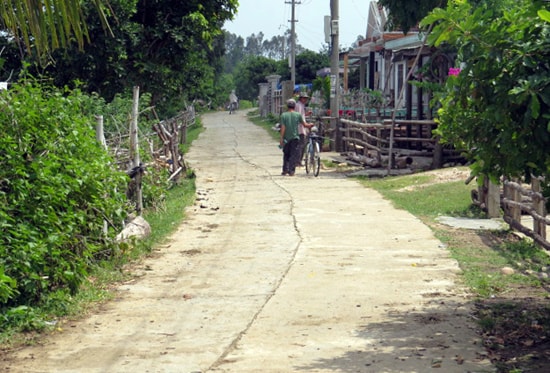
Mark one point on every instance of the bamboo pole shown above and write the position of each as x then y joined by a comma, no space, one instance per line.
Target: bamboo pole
100,137
134,149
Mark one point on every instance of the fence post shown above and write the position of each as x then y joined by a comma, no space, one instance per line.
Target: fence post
351,134
134,149
539,205
100,137
438,153
515,211
493,200
183,130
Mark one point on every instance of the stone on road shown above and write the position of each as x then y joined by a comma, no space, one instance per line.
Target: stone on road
272,273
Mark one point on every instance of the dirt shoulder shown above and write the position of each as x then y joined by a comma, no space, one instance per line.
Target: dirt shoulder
514,322
277,274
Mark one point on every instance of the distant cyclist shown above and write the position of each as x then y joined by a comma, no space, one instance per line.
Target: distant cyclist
233,101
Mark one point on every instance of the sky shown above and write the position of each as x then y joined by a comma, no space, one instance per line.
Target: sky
272,18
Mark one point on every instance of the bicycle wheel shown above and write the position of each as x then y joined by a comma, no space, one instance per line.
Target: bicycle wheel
316,158
309,164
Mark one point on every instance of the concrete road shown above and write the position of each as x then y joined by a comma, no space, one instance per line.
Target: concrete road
274,273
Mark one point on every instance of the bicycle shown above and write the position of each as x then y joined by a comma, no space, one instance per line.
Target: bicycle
313,152
232,107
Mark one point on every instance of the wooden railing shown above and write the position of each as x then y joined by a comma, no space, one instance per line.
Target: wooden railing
163,144
518,201
410,138
173,133
523,206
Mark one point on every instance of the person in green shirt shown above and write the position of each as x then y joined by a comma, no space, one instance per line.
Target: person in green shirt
290,138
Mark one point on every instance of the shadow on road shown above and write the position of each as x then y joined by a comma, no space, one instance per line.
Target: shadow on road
414,341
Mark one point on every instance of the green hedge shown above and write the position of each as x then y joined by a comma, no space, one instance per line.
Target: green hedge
57,188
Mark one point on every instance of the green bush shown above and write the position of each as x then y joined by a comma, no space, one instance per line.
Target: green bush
57,188
495,102
245,104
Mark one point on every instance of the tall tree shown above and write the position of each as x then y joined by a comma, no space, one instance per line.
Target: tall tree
252,71
234,51
254,44
174,56
276,48
307,65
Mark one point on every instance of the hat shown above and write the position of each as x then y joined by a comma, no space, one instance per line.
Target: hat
291,103
303,95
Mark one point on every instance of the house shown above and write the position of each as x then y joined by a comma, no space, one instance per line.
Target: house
385,59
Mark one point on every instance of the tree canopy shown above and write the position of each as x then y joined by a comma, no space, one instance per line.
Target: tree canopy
252,71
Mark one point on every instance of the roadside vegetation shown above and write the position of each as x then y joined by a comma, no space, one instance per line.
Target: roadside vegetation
506,274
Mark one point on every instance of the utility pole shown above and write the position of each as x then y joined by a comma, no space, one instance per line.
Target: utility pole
335,71
293,42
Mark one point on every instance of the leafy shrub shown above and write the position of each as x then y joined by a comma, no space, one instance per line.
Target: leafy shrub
57,188
496,99
245,104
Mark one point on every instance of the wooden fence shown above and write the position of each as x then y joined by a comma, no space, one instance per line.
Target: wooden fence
409,138
163,144
173,133
523,206
519,201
